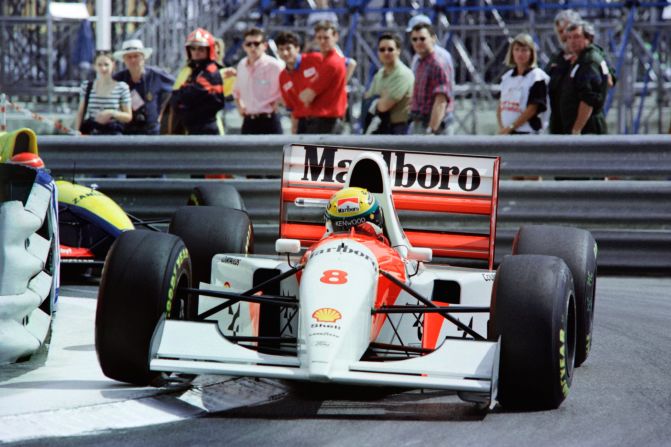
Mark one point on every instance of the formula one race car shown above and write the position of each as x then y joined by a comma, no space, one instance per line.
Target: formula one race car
90,221
362,304
29,260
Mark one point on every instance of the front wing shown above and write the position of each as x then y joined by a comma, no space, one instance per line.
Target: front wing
199,348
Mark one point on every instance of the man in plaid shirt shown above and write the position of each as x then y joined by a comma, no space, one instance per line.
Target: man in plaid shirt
431,105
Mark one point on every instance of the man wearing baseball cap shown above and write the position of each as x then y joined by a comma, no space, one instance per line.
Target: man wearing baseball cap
150,87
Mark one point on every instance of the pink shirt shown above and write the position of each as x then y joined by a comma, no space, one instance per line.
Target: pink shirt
258,85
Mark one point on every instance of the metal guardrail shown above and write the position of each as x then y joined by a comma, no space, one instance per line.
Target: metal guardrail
545,155
631,220
630,217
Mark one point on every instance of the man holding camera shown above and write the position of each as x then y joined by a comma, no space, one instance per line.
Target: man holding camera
150,88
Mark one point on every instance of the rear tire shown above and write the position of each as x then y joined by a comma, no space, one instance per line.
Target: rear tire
211,230
216,194
579,250
533,311
142,273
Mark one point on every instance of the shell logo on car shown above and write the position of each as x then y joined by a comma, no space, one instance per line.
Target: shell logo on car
326,315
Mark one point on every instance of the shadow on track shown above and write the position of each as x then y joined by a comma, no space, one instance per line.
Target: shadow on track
328,401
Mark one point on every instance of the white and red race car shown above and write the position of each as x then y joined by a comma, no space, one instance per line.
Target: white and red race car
356,308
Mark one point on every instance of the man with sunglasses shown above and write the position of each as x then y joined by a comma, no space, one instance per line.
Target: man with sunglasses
392,85
431,97
257,87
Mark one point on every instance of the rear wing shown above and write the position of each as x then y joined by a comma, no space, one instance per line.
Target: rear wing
420,183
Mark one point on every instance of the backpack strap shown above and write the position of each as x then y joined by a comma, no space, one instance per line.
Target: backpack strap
89,87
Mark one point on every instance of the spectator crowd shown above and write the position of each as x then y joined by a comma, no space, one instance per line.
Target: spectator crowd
309,81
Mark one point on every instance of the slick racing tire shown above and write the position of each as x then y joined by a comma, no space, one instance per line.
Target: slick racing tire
216,194
211,230
533,312
579,250
140,281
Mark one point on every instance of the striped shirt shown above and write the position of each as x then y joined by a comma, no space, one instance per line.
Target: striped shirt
120,96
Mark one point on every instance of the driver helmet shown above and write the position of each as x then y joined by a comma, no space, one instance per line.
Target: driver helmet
27,159
201,37
350,207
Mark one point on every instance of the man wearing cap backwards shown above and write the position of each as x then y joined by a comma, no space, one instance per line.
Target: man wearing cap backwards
150,87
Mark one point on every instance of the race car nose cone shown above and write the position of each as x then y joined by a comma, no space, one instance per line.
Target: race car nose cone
319,371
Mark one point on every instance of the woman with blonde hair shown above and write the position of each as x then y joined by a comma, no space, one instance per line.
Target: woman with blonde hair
105,103
524,90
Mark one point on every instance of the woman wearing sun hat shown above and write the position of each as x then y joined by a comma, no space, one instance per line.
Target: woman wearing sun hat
150,87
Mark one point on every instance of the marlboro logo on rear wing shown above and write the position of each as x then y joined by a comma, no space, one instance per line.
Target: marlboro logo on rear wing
425,186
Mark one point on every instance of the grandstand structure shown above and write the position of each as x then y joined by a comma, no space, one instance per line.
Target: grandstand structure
38,61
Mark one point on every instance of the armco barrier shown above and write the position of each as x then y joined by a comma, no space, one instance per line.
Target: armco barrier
630,214
646,156
631,220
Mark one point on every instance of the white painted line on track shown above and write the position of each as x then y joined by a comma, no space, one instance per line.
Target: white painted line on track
69,395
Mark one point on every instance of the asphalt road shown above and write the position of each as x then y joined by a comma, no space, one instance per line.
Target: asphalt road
620,397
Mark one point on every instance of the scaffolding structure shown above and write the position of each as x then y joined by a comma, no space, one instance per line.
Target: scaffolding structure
36,49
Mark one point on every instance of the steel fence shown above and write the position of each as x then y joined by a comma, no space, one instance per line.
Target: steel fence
646,156
621,194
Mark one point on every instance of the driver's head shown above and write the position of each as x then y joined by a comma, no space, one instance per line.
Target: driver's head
27,159
350,207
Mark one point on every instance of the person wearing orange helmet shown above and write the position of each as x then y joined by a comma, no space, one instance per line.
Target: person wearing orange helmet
29,159
200,96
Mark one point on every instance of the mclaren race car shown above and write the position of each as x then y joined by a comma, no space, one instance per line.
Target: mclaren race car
357,300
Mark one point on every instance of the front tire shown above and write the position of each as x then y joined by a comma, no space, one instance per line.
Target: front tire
579,250
533,312
140,281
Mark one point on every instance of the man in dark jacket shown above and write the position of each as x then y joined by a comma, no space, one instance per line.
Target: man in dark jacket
198,99
584,89
558,67
150,87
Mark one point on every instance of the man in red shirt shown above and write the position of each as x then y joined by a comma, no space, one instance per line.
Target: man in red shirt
299,72
326,97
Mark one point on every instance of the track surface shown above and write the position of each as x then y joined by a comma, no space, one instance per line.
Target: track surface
620,396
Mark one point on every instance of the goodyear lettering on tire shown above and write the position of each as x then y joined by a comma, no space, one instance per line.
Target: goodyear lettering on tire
248,239
563,368
588,343
183,255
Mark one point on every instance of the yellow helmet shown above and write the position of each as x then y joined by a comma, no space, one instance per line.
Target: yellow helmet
350,207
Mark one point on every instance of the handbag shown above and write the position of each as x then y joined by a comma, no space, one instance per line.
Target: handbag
87,125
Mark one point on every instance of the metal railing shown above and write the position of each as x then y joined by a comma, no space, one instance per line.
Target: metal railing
647,156
630,216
